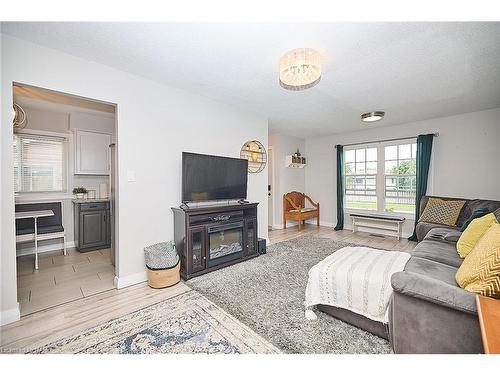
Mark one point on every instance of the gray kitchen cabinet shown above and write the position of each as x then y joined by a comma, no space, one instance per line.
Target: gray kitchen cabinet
92,226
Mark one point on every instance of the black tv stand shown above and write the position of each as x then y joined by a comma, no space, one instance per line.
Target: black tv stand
198,232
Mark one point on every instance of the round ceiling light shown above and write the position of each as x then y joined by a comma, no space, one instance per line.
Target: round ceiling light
300,69
372,116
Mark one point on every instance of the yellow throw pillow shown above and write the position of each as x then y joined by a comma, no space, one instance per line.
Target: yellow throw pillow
480,271
473,233
441,211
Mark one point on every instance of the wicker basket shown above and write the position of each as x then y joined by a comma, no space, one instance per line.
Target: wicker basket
162,265
164,278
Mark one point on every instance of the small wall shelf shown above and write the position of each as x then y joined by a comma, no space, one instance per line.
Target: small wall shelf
292,162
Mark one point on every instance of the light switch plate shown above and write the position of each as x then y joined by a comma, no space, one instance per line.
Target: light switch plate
131,176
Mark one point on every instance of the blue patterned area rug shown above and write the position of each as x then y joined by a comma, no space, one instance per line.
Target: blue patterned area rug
188,323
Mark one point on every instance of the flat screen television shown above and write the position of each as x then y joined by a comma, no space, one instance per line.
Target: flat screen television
209,177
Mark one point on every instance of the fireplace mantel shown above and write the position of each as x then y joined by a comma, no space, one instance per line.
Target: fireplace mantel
212,237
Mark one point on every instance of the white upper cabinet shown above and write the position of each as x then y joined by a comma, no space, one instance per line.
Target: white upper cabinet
93,134
92,153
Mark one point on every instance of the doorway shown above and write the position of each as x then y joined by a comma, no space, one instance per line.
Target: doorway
270,189
65,168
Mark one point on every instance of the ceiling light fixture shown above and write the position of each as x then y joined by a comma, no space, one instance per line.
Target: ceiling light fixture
372,116
300,69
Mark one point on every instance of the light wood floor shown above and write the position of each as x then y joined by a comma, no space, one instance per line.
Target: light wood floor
358,238
61,279
71,318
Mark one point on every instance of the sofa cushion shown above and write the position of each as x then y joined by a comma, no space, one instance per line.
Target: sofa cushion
480,271
471,236
475,215
476,204
423,228
464,214
439,251
432,269
443,234
441,211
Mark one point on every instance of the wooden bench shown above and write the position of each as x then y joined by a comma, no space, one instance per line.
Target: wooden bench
391,224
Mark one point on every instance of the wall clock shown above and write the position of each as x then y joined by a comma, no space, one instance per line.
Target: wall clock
256,155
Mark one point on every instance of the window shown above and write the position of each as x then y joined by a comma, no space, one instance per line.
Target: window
361,178
400,177
38,163
381,178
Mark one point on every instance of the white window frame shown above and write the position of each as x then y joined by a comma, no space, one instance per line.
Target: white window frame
380,179
364,146
51,194
395,143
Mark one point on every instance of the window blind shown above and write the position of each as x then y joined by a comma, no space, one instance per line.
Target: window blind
38,163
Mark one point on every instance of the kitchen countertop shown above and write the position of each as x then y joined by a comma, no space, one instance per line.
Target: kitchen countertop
90,200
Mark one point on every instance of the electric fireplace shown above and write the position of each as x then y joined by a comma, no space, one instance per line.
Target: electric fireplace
225,243
209,238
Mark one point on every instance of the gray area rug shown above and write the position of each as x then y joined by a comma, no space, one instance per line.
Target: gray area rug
267,294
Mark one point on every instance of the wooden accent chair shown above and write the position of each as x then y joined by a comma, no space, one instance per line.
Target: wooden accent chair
294,208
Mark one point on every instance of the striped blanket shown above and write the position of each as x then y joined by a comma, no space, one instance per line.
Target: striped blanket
355,278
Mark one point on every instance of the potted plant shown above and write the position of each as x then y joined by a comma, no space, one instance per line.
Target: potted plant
79,192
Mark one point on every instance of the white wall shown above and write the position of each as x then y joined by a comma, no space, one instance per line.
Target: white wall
464,162
155,124
285,179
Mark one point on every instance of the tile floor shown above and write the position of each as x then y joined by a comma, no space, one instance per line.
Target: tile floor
62,279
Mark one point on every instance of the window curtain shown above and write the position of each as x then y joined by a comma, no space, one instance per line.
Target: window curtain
424,149
340,188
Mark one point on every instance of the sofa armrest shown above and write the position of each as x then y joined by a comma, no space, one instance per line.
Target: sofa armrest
435,291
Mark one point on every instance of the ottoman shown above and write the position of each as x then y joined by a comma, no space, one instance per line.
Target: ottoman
353,285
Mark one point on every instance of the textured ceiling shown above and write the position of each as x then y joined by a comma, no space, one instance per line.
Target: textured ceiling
413,71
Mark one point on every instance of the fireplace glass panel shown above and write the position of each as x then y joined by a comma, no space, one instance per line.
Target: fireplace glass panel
225,241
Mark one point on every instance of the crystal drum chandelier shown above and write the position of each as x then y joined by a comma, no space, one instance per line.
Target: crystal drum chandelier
300,69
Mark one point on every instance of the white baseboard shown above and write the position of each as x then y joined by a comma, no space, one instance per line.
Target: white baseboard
10,316
326,224
291,224
44,248
125,281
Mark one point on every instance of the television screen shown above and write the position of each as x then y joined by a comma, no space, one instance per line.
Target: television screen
209,177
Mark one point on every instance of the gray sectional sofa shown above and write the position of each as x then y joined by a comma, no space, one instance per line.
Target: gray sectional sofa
429,312
470,206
